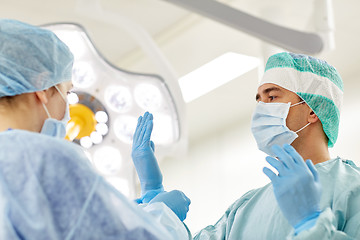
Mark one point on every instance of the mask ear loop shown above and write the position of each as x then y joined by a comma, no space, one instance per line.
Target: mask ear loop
303,128
46,110
62,95
295,104
306,124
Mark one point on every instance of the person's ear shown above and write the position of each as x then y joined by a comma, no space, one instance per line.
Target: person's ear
42,96
312,118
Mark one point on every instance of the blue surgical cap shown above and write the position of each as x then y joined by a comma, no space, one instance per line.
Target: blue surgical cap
314,80
31,59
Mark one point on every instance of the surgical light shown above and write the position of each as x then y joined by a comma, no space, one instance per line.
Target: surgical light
124,128
118,98
148,97
96,137
102,128
83,75
73,98
101,117
105,104
68,35
86,142
163,132
107,160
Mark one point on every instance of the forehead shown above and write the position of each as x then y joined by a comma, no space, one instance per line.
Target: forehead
267,87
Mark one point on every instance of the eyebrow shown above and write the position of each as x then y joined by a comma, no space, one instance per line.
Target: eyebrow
266,91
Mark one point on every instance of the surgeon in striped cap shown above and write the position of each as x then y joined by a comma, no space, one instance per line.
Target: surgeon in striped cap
295,122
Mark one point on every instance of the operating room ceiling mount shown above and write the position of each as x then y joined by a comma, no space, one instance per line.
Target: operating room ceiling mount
293,40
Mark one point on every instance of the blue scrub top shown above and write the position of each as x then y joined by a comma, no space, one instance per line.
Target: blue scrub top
49,190
256,215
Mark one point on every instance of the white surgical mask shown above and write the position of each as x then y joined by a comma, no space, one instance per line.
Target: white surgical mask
269,125
54,127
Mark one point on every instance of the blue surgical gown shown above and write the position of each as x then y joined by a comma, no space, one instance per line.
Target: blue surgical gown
256,214
48,190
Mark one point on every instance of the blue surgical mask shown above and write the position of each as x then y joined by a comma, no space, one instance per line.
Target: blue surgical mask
269,126
54,127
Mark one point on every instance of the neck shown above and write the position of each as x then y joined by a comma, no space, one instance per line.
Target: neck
23,115
15,120
312,146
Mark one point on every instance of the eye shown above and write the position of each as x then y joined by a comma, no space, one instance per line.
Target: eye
272,98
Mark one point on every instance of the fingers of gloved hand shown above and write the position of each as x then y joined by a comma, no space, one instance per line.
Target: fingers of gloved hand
183,215
152,145
187,201
138,201
184,204
137,132
176,201
140,126
148,130
271,175
143,127
313,170
283,156
179,194
279,166
183,200
294,154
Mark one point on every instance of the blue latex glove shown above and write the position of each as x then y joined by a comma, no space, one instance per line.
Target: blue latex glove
297,187
176,201
144,159
147,196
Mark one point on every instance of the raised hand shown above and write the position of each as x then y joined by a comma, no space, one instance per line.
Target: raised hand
144,159
297,187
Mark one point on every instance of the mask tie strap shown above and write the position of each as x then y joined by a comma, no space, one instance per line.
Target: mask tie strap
303,128
295,104
62,95
46,110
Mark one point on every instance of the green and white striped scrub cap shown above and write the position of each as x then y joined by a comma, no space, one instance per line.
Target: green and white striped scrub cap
315,81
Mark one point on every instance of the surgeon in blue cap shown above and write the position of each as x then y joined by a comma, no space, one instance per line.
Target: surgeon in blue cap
48,189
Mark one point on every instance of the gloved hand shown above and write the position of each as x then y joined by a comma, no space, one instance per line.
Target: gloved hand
297,187
144,159
176,201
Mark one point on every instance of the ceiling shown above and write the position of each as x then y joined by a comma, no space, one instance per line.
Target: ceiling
189,40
